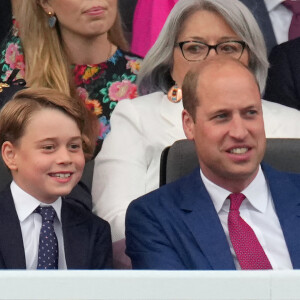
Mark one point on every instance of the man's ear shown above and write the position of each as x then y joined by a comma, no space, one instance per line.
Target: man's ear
188,125
9,155
46,6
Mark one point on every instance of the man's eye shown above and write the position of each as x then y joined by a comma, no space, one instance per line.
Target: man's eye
220,116
252,112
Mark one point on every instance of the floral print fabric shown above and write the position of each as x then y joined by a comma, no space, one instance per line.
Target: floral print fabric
101,86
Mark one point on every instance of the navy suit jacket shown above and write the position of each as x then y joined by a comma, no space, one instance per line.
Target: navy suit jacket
177,227
87,238
261,14
283,83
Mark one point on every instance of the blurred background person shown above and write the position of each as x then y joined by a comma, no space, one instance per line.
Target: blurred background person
5,18
128,164
73,46
149,18
276,19
283,83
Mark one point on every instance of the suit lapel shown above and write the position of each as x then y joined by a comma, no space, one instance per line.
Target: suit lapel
11,241
286,198
76,235
203,221
261,14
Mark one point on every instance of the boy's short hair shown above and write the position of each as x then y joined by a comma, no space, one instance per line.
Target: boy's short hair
17,112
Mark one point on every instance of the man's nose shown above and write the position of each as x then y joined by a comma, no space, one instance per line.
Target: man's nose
238,129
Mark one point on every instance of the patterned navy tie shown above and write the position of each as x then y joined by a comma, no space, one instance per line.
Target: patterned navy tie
48,245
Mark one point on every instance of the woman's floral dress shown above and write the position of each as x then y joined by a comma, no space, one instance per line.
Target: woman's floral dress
101,86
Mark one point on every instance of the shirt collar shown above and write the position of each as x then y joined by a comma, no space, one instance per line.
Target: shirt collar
25,204
271,4
256,192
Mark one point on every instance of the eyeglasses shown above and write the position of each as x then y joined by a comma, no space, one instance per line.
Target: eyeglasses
195,50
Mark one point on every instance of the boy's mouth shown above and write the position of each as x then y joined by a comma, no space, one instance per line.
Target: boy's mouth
60,175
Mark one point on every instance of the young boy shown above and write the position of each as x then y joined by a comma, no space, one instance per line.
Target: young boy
45,138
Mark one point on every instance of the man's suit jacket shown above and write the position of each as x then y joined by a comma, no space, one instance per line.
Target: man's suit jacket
177,227
283,83
261,14
87,238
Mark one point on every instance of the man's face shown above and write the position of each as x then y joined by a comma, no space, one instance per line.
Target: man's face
228,130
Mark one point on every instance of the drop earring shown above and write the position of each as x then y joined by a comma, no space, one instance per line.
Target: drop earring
175,94
52,19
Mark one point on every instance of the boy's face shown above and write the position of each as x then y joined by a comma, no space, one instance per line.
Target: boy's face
48,160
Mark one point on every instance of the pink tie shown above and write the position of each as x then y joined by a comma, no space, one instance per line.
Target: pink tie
249,252
294,6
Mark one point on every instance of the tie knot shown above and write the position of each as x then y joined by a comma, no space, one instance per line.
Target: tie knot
47,212
236,200
293,5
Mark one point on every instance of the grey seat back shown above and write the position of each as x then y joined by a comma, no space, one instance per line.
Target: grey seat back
181,158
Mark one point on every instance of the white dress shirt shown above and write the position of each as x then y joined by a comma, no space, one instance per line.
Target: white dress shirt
259,213
281,18
31,224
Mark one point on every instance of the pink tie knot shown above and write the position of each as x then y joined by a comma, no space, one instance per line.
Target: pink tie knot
236,200
293,5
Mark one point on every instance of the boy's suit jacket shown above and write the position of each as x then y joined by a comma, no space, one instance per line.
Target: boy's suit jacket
177,226
87,238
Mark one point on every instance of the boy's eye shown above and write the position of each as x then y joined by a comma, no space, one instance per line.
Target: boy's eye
75,146
48,147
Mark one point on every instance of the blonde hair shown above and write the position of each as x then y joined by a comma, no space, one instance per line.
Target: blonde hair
16,114
46,60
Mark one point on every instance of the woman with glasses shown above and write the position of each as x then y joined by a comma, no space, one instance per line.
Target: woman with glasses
128,164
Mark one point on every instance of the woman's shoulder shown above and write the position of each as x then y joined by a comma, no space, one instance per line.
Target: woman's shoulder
144,102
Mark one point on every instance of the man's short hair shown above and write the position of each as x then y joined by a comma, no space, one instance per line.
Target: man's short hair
190,84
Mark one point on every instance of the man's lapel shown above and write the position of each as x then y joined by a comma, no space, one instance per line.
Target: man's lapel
286,198
203,221
75,232
11,241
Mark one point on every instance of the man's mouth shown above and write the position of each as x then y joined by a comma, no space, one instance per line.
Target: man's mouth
241,150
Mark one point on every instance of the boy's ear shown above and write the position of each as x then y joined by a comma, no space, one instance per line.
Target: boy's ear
9,155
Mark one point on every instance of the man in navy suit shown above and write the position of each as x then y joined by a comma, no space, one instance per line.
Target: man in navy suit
188,224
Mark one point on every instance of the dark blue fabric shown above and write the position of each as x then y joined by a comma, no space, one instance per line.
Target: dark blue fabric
48,244
177,227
